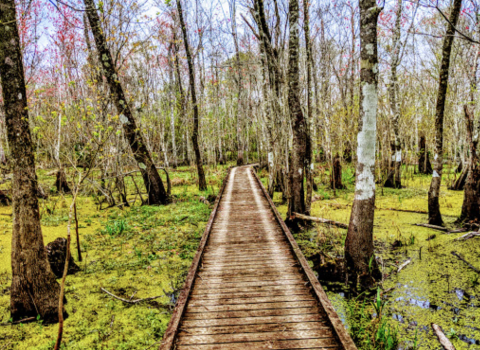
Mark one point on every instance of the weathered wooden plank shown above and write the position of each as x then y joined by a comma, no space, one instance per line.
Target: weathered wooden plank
245,289
250,313
249,261
324,343
254,306
264,299
245,258
296,288
252,294
274,282
248,253
274,266
233,279
255,328
251,320
249,272
255,337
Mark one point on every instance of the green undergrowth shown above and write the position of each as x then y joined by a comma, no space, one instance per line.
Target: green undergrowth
435,287
134,253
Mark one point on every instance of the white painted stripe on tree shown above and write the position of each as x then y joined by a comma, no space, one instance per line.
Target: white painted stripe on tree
398,156
365,184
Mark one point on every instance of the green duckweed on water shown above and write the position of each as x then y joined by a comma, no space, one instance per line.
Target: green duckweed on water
436,287
143,251
146,251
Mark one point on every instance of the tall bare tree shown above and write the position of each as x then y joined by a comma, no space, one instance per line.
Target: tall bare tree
151,177
434,215
309,117
34,289
359,252
296,201
202,183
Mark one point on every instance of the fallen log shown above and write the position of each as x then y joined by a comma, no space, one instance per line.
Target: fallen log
136,301
460,230
447,345
25,320
468,236
411,211
433,227
320,220
466,262
405,210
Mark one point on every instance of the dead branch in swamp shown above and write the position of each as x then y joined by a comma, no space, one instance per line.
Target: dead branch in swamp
433,227
411,211
468,236
466,262
447,345
126,301
403,265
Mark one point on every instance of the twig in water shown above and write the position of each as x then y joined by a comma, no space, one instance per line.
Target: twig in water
466,262
129,301
447,345
468,236
404,264
433,227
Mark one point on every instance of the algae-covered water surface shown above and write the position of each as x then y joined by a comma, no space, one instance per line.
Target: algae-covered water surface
145,251
436,286
134,253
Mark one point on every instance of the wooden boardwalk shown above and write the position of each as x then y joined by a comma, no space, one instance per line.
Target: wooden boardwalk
249,286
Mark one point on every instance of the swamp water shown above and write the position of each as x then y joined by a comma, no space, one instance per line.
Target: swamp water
436,287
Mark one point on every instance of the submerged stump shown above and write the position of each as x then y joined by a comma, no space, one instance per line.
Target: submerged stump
56,254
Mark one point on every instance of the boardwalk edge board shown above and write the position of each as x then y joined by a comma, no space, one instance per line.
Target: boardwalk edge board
337,325
172,329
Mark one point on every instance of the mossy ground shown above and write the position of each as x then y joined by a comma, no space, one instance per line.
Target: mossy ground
436,287
141,250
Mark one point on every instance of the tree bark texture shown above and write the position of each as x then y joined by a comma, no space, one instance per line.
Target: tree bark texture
359,253
309,144
471,199
34,289
153,181
202,183
297,197
394,103
424,165
336,177
434,215
240,143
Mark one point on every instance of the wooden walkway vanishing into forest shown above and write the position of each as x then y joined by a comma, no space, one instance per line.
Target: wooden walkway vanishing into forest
249,286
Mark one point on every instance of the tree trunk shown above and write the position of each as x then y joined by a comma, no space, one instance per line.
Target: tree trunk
336,178
61,182
153,181
240,144
434,215
309,166
424,165
471,199
359,253
202,183
394,104
296,175
34,289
